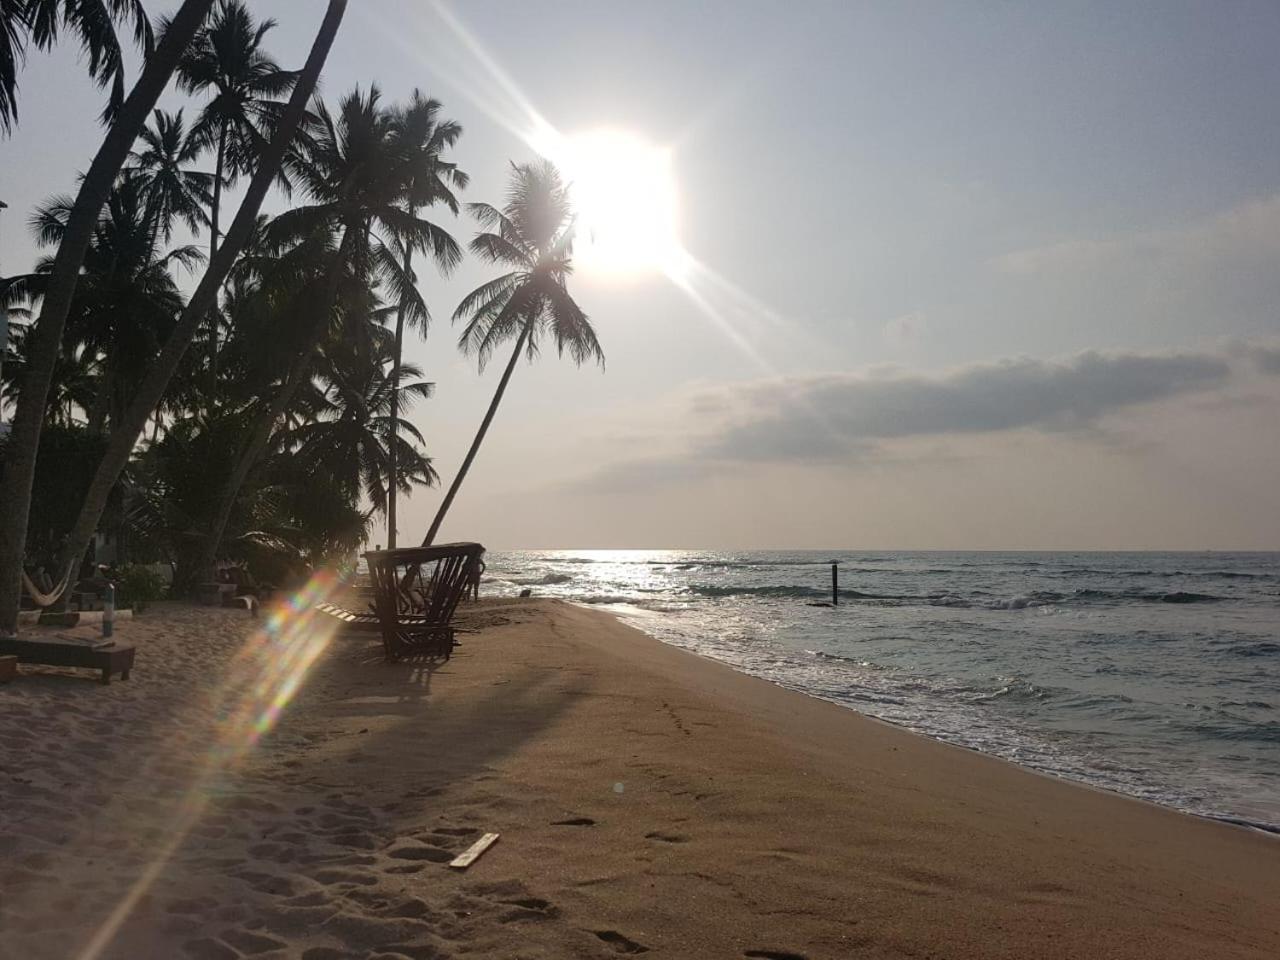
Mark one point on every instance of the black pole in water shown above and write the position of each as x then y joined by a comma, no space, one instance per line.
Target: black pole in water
835,584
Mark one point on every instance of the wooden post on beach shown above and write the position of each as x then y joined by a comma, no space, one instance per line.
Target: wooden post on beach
835,584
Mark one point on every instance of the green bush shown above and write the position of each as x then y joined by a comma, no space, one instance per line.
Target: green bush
136,586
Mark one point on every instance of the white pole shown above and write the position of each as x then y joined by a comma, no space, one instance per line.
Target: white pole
109,611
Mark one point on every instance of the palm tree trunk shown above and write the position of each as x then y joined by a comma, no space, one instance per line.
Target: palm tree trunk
151,390
218,163
260,435
96,416
46,343
214,206
484,428
153,214
392,459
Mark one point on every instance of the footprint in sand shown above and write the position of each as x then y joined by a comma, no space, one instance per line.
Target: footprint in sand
201,905
316,898
206,948
415,850
325,953
528,908
414,909
620,943
251,943
268,883
331,876
454,831
360,841
574,822
274,852
666,837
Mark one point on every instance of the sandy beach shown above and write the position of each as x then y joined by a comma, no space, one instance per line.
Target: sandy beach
290,795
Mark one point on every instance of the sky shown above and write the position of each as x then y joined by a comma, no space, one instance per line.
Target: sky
968,276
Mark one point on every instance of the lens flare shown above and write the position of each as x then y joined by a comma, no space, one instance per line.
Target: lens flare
260,682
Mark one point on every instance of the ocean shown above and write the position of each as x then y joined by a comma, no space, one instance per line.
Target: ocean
1151,674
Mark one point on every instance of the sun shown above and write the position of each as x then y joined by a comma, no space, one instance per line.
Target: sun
624,200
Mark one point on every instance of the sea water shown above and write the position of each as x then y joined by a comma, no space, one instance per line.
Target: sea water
1152,674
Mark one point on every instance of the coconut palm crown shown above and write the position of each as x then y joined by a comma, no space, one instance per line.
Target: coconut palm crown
534,234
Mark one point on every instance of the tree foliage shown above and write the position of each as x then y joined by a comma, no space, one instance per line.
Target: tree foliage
307,331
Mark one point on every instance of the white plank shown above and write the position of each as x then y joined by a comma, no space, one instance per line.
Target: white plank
472,853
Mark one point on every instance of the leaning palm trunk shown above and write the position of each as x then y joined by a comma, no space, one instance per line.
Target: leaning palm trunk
46,345
151,390
298,374
214,208
393,466
484,428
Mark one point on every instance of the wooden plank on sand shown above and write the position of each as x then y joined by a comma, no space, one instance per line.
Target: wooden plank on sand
472,853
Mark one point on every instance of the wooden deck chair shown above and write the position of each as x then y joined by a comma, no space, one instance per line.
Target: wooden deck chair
416,591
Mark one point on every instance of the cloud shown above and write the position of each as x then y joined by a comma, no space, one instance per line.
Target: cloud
906,329
1267,359
1245,234
859,416
837,415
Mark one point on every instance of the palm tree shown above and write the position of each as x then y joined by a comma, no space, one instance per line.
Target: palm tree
351,438
74,382
93,21
357,172
13,46
152,388
228,63
24,439
126,302
534,234
421,131
172,191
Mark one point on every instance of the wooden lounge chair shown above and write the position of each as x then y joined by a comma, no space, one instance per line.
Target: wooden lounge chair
416,590
109,658
349,620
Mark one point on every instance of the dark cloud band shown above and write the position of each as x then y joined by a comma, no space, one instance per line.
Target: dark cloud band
816,417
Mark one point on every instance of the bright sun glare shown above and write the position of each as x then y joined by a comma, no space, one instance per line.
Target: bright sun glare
624,198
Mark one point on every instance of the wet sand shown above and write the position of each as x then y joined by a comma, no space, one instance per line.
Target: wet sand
648,801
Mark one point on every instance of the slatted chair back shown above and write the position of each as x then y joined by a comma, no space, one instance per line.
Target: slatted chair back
415,593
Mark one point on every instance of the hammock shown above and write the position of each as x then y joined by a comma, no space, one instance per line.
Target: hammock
45,600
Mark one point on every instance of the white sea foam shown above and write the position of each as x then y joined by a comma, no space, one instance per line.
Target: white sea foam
1078,665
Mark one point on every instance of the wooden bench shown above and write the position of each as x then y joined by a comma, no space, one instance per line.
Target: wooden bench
112,659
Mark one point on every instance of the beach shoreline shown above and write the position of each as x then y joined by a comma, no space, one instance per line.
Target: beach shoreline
622,615
649,800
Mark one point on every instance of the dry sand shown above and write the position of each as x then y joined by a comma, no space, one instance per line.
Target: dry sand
648,801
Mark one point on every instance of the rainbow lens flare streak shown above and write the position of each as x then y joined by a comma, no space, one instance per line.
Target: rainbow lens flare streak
259,683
